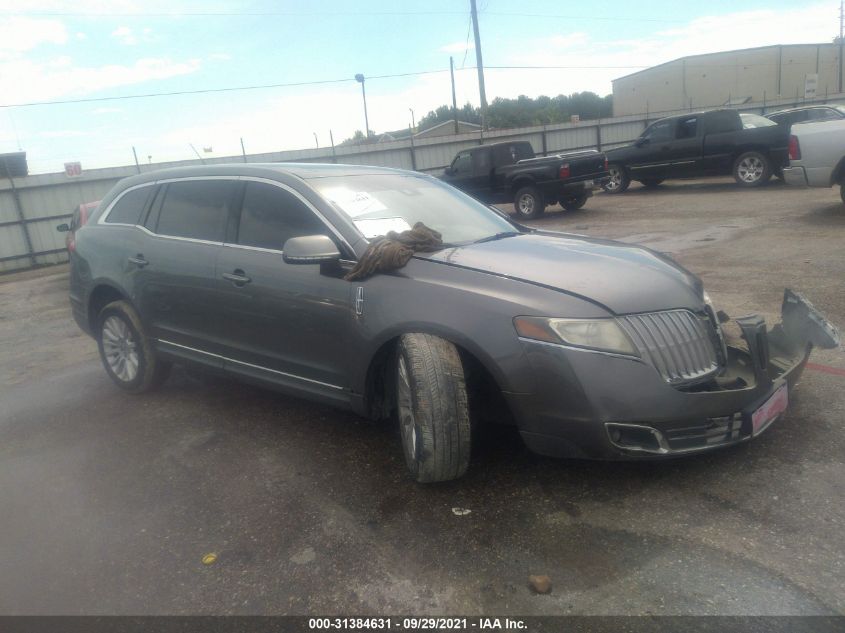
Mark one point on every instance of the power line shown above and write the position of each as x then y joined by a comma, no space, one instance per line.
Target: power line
212,90
230,14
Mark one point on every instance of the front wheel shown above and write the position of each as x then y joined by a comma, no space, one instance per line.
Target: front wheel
752,169
127,354
433,412
529,203
573,204
619,179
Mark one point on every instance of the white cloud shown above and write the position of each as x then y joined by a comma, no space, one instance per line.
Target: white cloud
125,36
457,47
19,35
223,57
26,80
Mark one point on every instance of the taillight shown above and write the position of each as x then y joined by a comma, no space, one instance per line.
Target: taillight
564,171
794,148
605,163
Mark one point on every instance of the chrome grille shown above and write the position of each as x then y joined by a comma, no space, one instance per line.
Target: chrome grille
677,343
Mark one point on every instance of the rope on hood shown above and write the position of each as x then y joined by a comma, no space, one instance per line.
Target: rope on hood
393,251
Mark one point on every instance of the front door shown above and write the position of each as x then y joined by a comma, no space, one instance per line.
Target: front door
650,154
286,323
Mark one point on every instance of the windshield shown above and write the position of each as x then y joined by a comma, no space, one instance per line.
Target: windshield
755,120
378,203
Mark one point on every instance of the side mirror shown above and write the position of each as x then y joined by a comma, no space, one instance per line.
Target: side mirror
642,141
310,249
63,228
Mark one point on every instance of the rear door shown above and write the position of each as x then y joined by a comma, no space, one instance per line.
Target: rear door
287,323
174,264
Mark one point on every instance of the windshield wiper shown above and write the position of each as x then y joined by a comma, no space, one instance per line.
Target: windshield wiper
497,236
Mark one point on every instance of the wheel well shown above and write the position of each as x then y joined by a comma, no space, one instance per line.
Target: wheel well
838,173
486,401
100,297
519,184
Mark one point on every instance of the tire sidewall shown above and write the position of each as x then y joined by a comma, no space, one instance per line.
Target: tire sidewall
413,462
573,204
624,179
146,355
764,177
537,208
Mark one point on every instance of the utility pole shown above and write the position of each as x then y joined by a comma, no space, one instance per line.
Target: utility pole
360,79
841,16
480,64
454,100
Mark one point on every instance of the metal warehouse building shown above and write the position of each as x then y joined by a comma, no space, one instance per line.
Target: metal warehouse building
760,75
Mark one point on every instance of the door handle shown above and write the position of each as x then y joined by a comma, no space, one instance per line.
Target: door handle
237,277
138,260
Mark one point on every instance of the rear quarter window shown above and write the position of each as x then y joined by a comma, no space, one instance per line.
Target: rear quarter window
129,207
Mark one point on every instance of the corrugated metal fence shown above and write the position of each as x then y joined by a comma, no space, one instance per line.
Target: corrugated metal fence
31,207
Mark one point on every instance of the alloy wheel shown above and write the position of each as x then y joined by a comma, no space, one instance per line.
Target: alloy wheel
120,348
526,204
750,169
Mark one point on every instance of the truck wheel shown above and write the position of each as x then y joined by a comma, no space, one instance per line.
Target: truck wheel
619,179
651,182
127,354
752,169
573,204
529,203
433,412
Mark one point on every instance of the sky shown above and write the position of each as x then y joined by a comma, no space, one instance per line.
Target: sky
101,52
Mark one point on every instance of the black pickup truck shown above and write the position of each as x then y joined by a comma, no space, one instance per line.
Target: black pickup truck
713,143
509,172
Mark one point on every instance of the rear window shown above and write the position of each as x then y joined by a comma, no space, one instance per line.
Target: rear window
755,120
198,209
129,207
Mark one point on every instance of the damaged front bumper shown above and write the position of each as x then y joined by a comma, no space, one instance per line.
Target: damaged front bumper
607,407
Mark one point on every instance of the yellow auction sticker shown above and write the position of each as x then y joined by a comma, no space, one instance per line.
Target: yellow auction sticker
209,559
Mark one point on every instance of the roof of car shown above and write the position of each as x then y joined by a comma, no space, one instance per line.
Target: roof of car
301,170
800,108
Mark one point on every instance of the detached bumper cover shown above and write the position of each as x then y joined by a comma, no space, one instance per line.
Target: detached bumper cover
601,406
795,176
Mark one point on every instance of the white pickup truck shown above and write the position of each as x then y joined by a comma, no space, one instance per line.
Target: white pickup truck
817,155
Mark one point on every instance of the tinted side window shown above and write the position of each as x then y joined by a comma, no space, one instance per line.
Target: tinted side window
130,206
481,162
660,131
198,209
821,114
722,121
463,163
687,128
270,216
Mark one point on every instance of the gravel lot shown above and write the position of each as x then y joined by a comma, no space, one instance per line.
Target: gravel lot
110,501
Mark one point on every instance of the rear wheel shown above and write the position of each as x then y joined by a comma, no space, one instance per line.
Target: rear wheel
431,400
651,182
573,204
752,169
529,203
619,179
127,354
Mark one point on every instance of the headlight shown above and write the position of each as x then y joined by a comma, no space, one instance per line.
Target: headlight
599,334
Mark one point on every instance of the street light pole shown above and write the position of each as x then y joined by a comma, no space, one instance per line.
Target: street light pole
360,79
413,121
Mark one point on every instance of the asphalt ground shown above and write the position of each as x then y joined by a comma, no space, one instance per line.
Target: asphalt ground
111,503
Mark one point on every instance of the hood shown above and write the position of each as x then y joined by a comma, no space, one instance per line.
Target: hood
622,278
